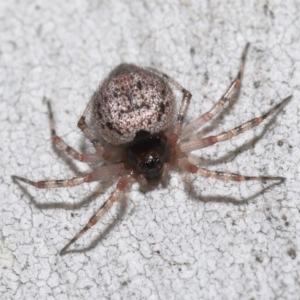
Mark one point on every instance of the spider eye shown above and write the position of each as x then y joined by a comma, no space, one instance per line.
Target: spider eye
152,165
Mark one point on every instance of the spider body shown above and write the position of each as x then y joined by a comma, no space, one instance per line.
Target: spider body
134,110
133,107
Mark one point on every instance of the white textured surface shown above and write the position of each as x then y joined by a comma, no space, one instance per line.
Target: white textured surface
195,239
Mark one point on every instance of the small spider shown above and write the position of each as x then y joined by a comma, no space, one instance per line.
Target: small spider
134,112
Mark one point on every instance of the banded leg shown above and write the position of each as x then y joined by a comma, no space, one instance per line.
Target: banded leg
88,133
196,143
61,144
186,98
185,164
231,94
124,182
103,173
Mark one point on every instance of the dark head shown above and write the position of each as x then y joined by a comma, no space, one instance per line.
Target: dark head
147,154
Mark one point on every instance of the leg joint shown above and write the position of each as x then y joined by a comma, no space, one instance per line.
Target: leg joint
81,123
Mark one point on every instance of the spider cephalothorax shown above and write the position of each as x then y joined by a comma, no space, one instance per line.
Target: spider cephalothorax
147,154
134,110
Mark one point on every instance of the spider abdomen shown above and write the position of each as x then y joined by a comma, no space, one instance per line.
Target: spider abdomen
130,100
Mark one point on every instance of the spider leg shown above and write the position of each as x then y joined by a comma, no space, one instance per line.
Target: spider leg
186,98
231,94
103,173
196,143
185,164
88,133
61,144
165,173
124,182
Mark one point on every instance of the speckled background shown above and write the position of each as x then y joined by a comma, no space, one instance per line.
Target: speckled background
195,238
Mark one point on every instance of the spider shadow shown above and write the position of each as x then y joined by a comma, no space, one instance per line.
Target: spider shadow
67,206
219,117
229,157
104,232
216,121
71,162
83,147
122,211
99,190
233,154
67,160
231,200
213,124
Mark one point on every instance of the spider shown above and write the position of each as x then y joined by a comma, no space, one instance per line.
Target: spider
134,112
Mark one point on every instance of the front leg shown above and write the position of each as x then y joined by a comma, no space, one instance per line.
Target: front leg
230,95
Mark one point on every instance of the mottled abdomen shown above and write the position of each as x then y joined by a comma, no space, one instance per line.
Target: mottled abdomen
132,99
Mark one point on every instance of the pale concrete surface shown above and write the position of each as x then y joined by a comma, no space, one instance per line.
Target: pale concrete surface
194,239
